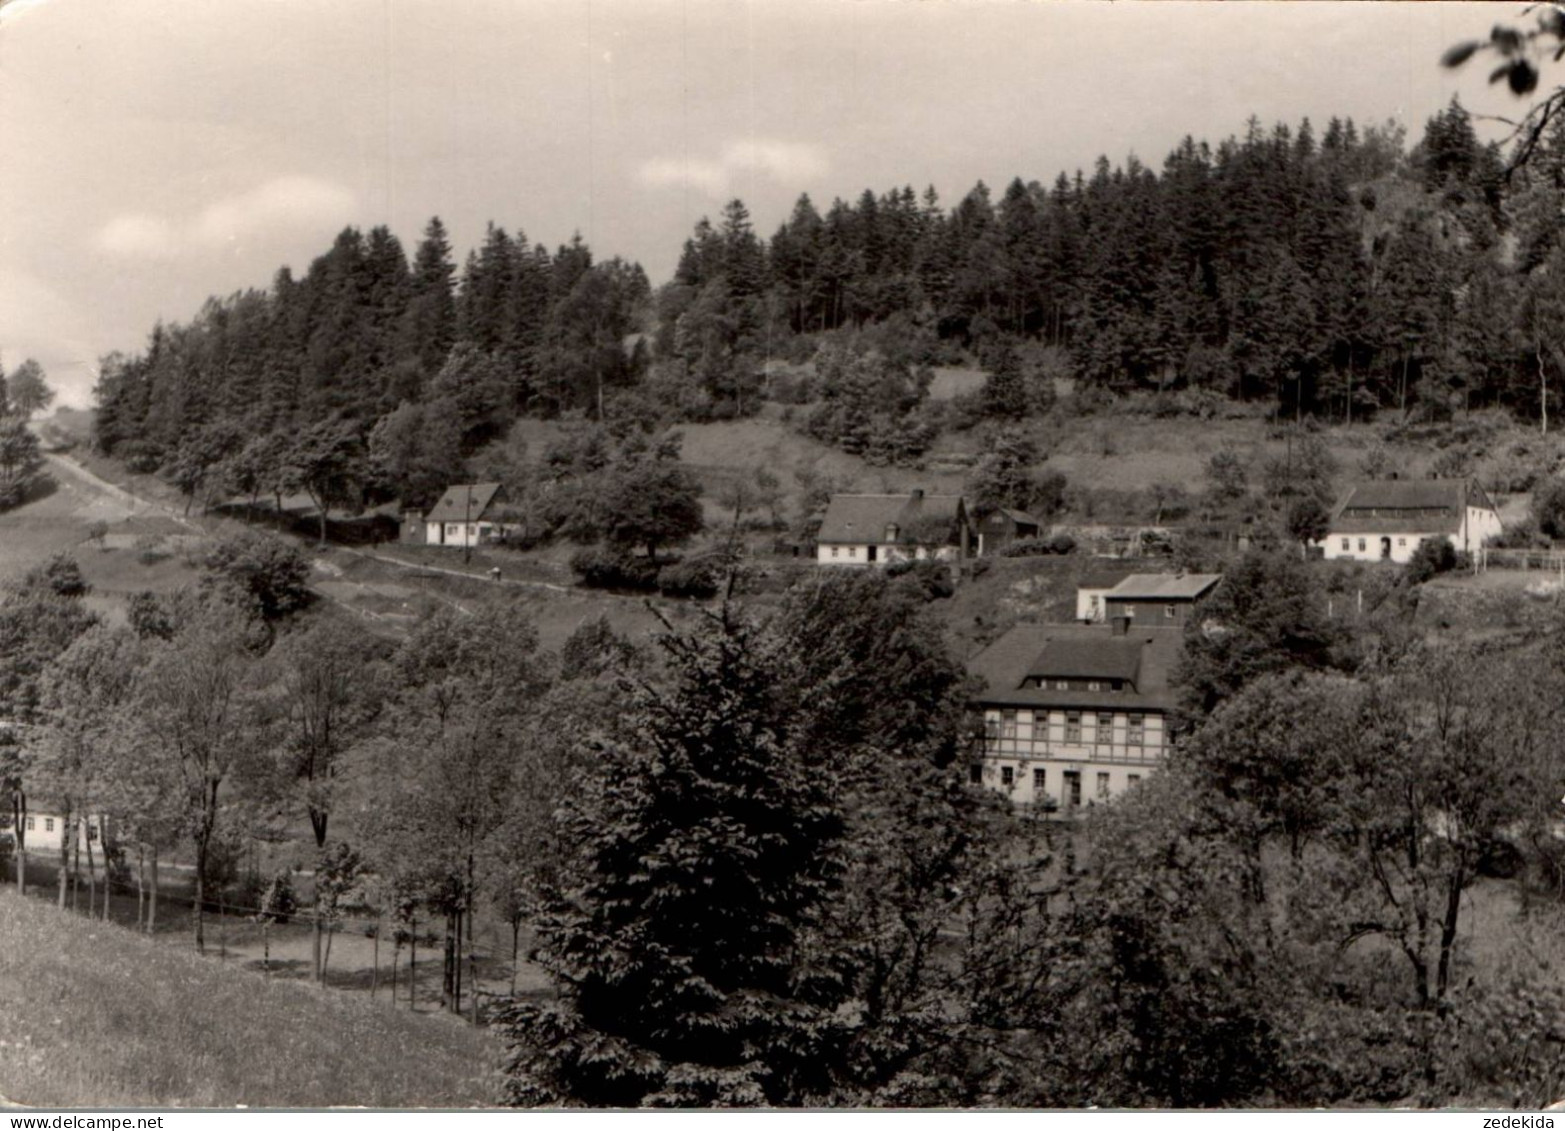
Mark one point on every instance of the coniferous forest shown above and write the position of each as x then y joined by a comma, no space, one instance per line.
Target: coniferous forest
1332,274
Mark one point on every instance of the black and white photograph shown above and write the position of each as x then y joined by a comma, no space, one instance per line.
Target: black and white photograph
822,555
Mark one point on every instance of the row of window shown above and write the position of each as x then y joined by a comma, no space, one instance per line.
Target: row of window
1346,541
48,827
1043,684
1135,728
1070,782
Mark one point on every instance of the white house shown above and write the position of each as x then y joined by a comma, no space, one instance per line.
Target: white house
861,530
1092,593
1386,519
1074,714
45,833
466,515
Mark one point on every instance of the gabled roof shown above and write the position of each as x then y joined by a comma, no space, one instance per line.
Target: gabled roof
864,518
1408,506
1406,494
1164,586
1020,518
1033,650
463,502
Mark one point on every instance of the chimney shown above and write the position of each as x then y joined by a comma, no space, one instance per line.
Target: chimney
1121,625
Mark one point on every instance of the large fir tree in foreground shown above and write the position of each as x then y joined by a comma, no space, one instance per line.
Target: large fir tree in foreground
705,848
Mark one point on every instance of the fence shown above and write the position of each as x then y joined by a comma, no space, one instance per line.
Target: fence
1492,557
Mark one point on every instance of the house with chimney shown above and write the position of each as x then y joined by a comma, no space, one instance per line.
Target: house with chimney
868,530
1387,519
1074,714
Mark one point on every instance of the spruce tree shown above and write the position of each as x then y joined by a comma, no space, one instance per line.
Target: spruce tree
703,852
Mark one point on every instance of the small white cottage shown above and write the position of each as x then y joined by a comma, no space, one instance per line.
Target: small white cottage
466,515
876,529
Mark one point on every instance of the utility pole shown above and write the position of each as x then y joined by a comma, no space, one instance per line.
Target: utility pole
467,527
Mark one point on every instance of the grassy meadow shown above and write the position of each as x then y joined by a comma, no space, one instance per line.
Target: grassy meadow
97,1015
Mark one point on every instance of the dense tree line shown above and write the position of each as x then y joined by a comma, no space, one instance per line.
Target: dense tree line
1332,274
371,354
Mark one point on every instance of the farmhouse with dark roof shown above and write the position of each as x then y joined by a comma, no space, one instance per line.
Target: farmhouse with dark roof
1385,520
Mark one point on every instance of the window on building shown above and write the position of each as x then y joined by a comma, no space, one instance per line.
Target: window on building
92,830
835,551
1062,685
1072,787
1103,787
1105,733
1007,776
1136,731
1169,612
48,824
1132,779
1040,782
975,774
1346,545
1361,545
1073,726
452,529
1401,541
1094,685
1007,724
32,823
853,551
1093,604
1114,685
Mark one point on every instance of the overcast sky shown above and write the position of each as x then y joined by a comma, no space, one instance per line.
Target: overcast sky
153,152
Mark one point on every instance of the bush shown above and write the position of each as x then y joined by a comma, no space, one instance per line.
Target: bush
601,568
1433,556
268,575
1521,535
1056,543
698,578
931,579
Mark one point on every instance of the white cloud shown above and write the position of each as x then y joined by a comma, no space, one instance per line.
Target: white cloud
138,234
282,203
297,201
786,161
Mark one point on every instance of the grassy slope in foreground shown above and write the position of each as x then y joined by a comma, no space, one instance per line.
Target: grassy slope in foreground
95,1015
